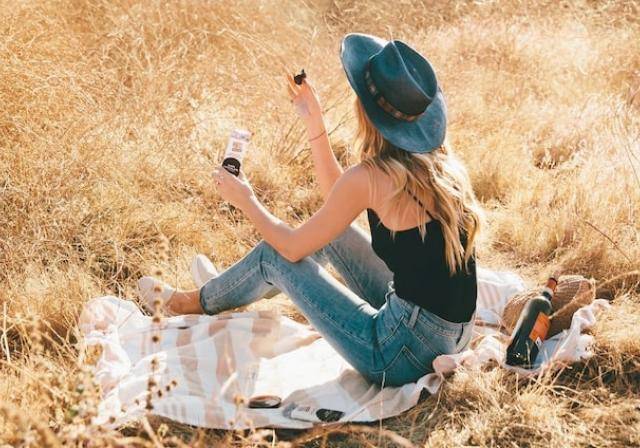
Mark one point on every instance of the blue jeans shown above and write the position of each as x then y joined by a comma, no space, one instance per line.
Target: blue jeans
387,339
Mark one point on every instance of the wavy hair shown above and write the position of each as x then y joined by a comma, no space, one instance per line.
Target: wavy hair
437,177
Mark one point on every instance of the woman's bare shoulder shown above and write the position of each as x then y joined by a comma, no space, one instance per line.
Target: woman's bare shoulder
358,173
371,182
367,173
358,178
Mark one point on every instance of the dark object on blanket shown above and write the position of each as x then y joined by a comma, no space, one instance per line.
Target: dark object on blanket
264,402
299,77
329,415
532,327
310,414
572,293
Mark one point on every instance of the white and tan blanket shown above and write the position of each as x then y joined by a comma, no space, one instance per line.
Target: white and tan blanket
216,362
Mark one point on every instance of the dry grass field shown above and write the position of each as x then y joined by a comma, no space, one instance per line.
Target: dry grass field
113,114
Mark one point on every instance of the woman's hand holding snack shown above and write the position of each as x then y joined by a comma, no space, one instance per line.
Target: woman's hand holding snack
305,99
235,190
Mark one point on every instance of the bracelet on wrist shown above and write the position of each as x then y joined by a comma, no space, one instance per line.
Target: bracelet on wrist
318,136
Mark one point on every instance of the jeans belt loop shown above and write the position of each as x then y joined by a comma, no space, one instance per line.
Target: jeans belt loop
414,316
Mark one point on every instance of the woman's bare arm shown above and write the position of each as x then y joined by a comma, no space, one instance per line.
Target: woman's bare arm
326,166
307,104
347,199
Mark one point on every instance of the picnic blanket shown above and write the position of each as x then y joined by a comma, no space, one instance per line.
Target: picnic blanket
212,364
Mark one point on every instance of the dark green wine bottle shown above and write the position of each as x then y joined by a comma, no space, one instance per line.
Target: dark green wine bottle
532,328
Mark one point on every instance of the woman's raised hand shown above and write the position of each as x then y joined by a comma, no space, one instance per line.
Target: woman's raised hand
305,100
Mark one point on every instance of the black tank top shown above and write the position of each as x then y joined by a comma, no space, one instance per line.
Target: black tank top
420,271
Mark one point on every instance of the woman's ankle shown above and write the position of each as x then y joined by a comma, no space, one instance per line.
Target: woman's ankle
185,302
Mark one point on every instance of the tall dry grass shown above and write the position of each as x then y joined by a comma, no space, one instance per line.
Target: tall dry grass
114,113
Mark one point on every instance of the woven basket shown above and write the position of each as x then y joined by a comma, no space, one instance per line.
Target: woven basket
572,293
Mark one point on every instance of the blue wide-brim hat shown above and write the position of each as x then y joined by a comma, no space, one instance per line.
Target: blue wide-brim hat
398,89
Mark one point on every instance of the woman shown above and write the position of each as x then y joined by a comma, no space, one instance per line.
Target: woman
411,286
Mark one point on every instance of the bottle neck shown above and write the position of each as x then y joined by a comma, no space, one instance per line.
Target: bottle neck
552,283
547,293
550,288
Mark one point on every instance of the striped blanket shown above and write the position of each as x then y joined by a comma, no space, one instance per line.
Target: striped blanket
200,369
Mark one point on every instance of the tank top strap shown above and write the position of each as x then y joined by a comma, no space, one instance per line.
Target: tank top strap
419,202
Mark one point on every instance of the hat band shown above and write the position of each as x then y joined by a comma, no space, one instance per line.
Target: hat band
382,102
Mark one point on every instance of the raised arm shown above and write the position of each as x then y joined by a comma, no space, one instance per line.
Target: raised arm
326,166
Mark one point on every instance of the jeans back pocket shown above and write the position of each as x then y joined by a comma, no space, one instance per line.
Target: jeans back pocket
404,367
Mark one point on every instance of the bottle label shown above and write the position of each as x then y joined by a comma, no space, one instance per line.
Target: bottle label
237,144
540,329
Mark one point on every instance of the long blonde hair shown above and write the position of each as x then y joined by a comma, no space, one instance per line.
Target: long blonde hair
436,177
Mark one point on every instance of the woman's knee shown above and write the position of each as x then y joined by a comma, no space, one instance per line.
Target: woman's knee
267,250
270,255
273,262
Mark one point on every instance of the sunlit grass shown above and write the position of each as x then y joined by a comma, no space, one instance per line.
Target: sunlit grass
115,112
